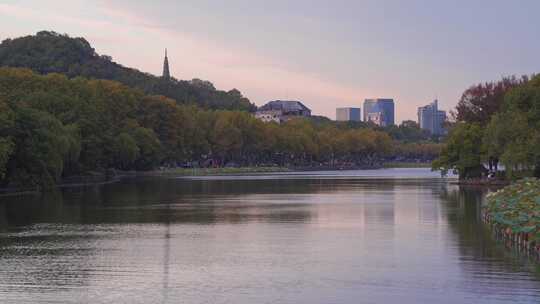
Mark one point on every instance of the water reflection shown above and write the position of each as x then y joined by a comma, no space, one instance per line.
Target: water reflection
482,258
166,258
202,202
316,239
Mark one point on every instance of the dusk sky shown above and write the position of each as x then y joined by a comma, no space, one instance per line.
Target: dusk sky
327,54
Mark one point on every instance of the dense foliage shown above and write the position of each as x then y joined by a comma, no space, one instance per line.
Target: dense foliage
408,131
479,102
503,125
52,126
49,52
462,152
517,207
423,151
513,135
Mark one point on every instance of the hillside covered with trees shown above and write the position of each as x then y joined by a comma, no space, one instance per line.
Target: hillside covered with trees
50,52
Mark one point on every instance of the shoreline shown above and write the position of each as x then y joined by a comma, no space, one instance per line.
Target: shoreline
210,171
4,192
482,183
248,170
82,181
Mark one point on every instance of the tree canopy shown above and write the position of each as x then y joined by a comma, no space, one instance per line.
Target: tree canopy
49,52
513,135
462,152
481,101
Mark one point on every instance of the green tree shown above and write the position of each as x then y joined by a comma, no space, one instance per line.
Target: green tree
125,151
7,121
227,137
42,146
149,149
513,135
463,152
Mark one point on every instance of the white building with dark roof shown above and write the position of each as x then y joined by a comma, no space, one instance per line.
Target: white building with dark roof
282,110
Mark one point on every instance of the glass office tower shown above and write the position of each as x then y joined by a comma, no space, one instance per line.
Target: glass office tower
382,109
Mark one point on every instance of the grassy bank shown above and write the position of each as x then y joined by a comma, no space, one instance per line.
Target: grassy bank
248,170
217,171
406,165
514,213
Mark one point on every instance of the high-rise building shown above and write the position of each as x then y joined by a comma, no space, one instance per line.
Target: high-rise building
380,111
348,114
166,72
432,119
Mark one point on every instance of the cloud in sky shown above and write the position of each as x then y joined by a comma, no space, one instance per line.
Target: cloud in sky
327,54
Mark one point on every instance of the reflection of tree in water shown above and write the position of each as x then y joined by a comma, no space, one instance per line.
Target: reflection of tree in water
160,200
482,254
31,242
166,258
169,202
143,201
24,210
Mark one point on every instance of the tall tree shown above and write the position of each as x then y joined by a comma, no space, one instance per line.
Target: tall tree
7,121
480,102
462,153
513,135
42,146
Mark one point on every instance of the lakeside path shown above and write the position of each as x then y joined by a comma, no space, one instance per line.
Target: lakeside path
215,171
365,174
253,170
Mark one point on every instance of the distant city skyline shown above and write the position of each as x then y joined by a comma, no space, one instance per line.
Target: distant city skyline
327,54
432,119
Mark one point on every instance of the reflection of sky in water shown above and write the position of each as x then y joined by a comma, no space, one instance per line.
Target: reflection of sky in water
314,240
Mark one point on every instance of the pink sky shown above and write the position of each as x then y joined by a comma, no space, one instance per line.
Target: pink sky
325,57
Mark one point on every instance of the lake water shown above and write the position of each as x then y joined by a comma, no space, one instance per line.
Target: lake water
384,236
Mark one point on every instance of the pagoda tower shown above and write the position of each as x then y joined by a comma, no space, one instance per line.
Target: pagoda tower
166,71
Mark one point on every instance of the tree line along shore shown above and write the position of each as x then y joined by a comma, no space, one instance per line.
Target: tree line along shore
53,127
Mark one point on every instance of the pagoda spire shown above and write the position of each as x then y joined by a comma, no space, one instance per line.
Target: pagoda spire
166,71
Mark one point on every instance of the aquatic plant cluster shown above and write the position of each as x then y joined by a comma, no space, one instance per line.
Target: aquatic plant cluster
514,213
